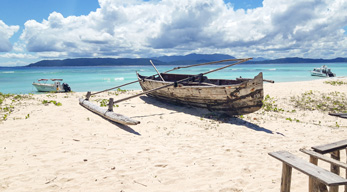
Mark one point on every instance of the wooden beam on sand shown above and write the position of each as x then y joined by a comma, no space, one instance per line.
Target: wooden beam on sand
108,114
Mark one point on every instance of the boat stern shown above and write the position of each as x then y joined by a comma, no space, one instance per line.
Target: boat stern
248,98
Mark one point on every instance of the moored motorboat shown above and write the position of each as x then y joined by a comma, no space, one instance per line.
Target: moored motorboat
42,85
323,71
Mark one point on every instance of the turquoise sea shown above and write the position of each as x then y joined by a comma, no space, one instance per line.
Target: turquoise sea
19,80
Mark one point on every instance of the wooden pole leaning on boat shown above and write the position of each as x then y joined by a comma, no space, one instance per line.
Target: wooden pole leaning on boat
157,71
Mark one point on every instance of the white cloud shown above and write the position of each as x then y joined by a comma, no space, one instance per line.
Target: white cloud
13,63
18,56
281,28
6,33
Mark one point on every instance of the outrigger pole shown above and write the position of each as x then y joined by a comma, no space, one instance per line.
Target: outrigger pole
110,115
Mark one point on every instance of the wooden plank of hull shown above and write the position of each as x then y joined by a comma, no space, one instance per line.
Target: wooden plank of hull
238,99
110,115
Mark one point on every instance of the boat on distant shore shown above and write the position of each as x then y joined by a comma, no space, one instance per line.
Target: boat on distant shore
323,71
42,85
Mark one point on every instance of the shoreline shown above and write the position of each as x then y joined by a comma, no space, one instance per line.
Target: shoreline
99,78
319,79
174,148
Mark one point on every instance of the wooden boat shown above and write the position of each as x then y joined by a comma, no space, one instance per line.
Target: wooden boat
232,97
323,71
55,86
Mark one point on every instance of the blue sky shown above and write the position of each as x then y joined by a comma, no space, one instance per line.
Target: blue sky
57,29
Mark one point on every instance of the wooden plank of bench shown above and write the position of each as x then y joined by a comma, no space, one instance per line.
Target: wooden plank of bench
334,150
310,169
327,148
335,164
324,158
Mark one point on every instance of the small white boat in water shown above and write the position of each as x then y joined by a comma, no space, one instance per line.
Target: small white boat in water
323,71
55,86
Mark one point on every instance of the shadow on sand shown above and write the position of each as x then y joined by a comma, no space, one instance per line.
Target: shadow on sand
204,113
125,128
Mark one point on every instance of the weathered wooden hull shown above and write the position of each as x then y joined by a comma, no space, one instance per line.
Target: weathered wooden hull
234,98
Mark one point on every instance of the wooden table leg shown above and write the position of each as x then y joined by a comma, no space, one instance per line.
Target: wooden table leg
311,181
346,171
335,169
286,178
322,188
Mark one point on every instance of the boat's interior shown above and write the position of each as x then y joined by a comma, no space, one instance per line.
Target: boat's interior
204,81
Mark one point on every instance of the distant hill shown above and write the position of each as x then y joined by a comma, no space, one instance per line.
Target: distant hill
300,60
194,57
92,62
164,60
173,60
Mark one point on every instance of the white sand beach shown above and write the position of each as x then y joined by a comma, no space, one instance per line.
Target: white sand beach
174,148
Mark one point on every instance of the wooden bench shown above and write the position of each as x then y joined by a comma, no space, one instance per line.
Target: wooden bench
320,176
331,147
334,150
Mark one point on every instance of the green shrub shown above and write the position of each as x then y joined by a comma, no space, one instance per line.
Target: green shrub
330,102
335,83
51,101
269,104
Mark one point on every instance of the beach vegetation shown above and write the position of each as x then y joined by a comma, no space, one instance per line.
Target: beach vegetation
51,95
328,102
27,116
121,90
295,120
117,92
46,102
104,103
3,97
7,109
269,104
335,83
5,117
337,125
7,102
